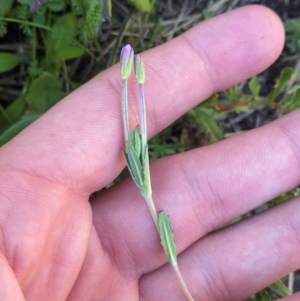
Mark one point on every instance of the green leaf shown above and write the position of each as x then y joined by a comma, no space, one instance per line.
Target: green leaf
293,89
15,110
8,61
69,52
284,77
143,6
16,128
56,5
254,86
147,179
295,101
5,7
210,125
61,38
44,92
264,296
136,138
126,157
167,238
135,166
280,288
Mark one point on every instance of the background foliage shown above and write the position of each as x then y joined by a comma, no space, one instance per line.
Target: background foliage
47,51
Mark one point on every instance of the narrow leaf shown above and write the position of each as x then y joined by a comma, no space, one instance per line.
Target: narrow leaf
254,86
210,125
147,179
143,6
16,128
296,100
280,288
136,137
129,168
293,89
284,77
264,296
167,238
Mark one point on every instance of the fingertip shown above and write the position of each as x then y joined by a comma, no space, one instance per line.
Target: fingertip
250,39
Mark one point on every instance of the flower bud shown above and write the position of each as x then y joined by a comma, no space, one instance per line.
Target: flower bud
139,69
126,60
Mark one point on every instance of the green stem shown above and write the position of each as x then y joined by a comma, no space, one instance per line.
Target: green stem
152,209
182,283
143,121
125,109
25,22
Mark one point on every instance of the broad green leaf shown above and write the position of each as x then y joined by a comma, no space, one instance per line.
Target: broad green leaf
264,296
61,37
5,6
16,128
44,92
56,5
24,1
166,237
143,6
15,110
280,288
69,52
8,61
254,86
284,77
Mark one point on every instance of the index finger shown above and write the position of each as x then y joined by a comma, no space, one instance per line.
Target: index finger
77,143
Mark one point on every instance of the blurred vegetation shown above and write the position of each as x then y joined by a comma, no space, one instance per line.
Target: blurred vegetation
48,51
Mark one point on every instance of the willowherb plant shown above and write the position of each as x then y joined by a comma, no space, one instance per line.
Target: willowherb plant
137,158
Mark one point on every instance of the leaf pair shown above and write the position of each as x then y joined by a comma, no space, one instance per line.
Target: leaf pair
138,162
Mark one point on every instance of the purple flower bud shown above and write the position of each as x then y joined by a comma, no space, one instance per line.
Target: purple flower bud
126,60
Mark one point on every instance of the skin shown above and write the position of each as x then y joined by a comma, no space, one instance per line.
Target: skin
56,245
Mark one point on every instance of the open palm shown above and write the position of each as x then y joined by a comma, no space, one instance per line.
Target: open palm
56,245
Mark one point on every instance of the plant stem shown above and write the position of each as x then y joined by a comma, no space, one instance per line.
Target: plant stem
182,283
151,206
143,122
125,109
25,22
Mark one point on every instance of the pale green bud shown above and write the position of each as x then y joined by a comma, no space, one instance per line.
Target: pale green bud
139,69
126,60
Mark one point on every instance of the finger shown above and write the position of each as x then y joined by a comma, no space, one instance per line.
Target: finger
294,297
235,262
201,190
9,288
78,142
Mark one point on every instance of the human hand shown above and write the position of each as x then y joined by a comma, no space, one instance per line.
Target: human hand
55,245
